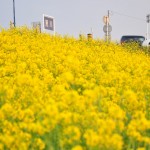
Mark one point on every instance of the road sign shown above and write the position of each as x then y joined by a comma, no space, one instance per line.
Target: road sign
148,18
48,23
37,25
106,19
107,28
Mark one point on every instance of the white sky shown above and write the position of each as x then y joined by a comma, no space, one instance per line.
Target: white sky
73,17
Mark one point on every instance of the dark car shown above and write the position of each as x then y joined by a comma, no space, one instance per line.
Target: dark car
132,38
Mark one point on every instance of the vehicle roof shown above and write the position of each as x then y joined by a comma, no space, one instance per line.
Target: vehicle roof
129,38
133,36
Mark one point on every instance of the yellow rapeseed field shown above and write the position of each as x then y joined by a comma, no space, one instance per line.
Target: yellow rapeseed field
62,93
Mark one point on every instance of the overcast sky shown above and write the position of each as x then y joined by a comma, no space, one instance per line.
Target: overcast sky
73,17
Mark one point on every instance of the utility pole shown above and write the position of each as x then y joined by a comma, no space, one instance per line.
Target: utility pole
107,28
14,13
148,21
107,33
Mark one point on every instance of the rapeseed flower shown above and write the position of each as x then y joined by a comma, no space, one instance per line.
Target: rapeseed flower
65,93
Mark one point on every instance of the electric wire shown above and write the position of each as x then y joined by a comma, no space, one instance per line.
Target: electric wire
121,14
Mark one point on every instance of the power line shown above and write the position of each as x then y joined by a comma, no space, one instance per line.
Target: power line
121,14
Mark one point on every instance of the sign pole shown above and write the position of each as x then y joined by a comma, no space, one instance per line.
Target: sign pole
147,32
106,31
148,21
54,26
43,24
14,13
107,25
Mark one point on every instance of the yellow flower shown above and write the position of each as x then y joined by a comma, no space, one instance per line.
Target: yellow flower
73,133
78,147
92,138
68,76
39,144
60,92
